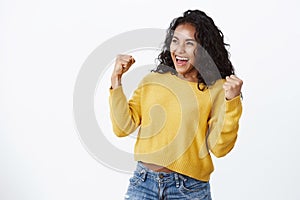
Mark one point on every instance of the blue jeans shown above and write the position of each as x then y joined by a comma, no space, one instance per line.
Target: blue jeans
146,184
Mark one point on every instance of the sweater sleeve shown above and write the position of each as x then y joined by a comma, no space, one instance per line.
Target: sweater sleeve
125,115
223,123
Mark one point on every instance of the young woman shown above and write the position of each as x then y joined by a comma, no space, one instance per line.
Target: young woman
185,109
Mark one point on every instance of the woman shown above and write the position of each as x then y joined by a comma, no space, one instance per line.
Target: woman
187,108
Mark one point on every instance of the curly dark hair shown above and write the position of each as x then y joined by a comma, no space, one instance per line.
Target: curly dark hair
212,57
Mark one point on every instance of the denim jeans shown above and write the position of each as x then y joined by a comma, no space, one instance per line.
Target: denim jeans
146,184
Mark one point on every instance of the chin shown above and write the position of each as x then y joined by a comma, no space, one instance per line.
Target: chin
181,69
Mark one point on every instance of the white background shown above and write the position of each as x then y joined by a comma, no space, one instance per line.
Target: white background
43,45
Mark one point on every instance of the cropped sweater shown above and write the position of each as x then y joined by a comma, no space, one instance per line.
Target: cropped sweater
179,125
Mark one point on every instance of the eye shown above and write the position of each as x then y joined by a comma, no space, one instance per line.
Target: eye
174,41
190,43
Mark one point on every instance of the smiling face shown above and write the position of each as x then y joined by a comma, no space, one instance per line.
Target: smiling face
182,48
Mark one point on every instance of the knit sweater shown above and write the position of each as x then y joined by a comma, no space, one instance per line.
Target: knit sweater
179,125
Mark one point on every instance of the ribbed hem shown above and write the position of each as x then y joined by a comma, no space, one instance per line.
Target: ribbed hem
113,90
200,170
233,103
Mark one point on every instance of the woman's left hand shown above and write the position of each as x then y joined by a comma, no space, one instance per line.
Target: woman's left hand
232,87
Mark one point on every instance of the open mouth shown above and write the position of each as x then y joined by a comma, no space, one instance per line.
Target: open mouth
181,60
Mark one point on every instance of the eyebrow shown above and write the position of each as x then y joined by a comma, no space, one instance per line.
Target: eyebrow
186,39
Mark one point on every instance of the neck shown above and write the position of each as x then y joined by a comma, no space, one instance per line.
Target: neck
191,76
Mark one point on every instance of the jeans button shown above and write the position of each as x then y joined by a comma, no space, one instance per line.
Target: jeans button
161,175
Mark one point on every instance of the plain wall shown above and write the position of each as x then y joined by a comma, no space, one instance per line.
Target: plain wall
45,43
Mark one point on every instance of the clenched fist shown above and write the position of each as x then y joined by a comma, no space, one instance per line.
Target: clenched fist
122,64
232,87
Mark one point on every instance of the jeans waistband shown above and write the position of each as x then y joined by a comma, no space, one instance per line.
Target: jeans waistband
145,172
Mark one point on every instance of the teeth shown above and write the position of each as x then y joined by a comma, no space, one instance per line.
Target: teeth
181,58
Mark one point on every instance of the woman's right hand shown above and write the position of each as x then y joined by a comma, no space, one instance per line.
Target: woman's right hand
122,64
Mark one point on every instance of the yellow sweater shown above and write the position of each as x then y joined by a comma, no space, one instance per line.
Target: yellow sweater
179,125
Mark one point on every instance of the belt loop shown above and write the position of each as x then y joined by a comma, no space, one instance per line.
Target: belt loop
183,178
176,180
143,174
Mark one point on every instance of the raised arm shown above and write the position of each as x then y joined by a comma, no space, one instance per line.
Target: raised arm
226,112
125,116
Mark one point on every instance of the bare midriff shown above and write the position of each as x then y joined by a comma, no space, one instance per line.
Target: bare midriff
157,168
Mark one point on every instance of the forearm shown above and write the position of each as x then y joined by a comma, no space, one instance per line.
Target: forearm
116,81
124,116
224,128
